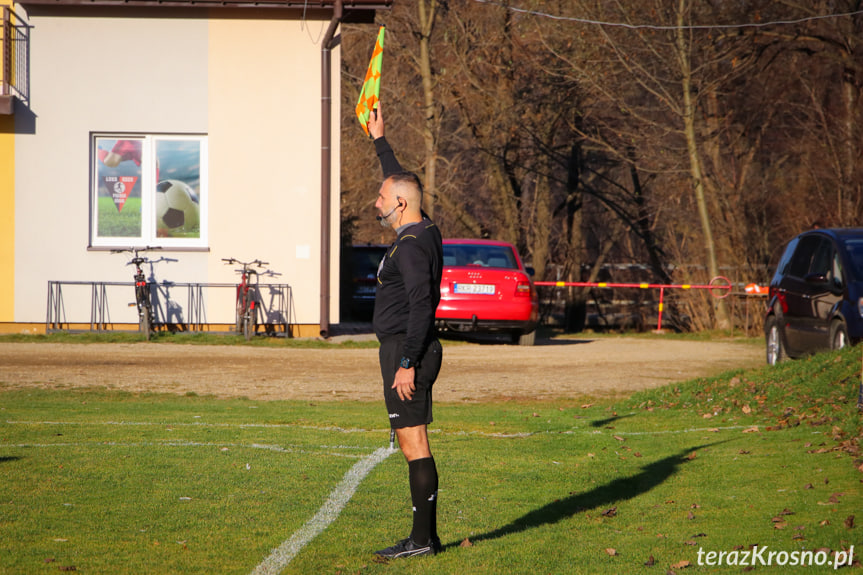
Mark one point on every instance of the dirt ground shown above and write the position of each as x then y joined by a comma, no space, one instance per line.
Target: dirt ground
471,372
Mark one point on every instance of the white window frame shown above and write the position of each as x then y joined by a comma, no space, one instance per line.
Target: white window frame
148,180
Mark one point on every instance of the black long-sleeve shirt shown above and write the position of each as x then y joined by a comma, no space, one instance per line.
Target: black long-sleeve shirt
389,163
408,288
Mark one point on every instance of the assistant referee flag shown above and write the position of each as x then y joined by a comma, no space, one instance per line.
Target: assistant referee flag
370,93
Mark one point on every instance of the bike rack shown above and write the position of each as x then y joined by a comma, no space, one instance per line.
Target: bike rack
276,311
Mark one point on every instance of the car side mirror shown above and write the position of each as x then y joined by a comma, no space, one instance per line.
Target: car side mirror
816,279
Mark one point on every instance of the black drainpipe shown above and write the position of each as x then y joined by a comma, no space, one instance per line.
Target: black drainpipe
327,44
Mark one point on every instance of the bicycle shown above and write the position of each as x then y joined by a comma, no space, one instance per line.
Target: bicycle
142,292
247,313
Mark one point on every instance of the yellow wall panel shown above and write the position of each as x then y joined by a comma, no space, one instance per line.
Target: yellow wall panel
7,218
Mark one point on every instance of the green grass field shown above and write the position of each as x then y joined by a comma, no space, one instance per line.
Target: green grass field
110,482
113,223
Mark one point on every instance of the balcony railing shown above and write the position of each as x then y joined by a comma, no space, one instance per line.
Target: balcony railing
15,63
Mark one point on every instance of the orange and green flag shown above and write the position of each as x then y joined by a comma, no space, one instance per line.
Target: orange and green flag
371,91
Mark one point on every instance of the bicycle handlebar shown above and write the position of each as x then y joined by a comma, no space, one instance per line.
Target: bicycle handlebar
136,259
258,263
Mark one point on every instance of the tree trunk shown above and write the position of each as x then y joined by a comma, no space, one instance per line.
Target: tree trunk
722,317
426,22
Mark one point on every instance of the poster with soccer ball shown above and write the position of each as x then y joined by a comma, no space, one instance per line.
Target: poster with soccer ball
118,177
177,203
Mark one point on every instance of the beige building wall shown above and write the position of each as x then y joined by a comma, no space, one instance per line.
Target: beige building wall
265,153
253,86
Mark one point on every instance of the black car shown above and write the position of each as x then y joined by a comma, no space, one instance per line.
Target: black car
362,262
816,295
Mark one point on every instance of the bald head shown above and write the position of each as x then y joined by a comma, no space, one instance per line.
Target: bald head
407,185
400,200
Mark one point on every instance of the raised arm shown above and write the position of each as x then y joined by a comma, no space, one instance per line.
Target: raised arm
389,164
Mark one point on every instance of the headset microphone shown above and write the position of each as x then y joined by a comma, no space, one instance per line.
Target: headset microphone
382,218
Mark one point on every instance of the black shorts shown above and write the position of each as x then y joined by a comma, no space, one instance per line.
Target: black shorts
418,410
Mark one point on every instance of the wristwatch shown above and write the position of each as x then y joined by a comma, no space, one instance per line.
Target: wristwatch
406,363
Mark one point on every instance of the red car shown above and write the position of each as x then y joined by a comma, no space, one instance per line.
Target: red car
485,288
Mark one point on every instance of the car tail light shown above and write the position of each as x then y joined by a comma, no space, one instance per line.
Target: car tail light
523,288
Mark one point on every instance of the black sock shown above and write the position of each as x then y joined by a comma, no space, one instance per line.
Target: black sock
424,482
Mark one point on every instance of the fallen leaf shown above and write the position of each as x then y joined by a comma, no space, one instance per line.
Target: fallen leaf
824,523
808,486
743,452
650,561
637,454
465,543
610,512
753,429
619,438
692,455
611,551
49,560
746,409
849,522
586,405
786,511
780,525
681,564
691,515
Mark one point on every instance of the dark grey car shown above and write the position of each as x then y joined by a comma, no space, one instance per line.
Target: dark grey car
816,295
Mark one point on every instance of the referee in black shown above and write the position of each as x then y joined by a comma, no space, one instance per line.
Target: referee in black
408,292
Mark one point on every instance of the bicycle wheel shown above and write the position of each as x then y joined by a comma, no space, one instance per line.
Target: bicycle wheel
241,312
145,321
251,323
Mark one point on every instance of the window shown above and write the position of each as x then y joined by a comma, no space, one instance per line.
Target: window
148,190
486,256
802,259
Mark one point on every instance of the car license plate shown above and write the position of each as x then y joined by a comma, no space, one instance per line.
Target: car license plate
485,289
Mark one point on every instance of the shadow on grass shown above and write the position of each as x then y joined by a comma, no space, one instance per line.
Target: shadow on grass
607,420
8,458
618,490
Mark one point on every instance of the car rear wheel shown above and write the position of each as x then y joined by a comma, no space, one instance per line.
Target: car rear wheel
524,338
838,335
775,349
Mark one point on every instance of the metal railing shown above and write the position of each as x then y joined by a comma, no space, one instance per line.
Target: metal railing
274,301
15,63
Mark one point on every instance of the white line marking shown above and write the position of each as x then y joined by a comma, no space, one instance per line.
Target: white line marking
198,424
284,553
498,435
275,448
